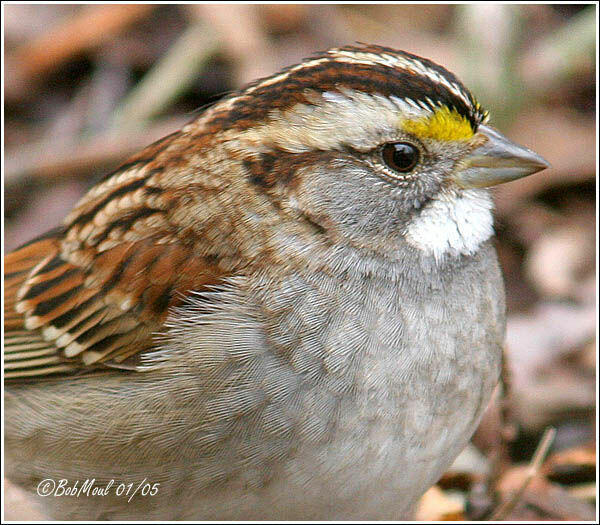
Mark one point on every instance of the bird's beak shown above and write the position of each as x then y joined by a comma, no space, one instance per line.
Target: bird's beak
496,160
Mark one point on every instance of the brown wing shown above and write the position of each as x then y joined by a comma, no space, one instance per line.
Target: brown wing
25,350
60,317
95,292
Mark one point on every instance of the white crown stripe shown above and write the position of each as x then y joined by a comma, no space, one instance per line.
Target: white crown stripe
347,56
369,58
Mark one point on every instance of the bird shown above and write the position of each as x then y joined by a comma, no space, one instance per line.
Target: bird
291,308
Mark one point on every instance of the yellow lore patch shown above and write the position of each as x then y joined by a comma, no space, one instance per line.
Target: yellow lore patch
443,124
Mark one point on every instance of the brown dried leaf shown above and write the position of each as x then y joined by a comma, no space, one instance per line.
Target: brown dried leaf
436,505
558,259
88,28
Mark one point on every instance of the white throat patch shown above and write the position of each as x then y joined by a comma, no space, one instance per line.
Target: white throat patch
453,224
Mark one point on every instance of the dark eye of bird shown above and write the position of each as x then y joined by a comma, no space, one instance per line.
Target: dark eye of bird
400,156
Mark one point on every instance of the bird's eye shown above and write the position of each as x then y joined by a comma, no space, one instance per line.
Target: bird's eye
400,156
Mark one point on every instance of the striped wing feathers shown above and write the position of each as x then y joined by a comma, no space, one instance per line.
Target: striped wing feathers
96,292
60,317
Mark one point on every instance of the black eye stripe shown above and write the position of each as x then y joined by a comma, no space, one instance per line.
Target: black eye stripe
400,156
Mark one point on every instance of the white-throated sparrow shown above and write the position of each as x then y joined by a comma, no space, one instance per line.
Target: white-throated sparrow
288,309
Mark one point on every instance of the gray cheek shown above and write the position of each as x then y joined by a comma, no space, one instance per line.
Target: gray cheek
352,203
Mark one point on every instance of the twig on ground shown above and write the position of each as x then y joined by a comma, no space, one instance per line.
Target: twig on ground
534,466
